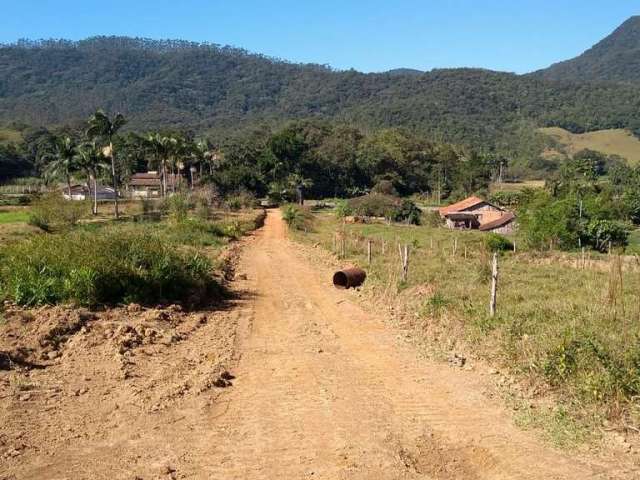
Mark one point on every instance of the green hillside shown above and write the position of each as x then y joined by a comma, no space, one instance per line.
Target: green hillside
611,142
616,58
175,84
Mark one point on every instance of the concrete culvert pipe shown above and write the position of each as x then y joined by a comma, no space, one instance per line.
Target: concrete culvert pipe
349,278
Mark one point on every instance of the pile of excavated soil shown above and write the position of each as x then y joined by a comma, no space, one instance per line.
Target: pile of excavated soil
77,378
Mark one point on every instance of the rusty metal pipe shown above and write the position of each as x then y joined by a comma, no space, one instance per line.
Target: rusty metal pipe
349,278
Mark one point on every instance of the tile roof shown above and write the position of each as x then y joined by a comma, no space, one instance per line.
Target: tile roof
499,222
461,205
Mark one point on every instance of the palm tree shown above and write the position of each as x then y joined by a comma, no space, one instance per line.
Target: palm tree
160,148
299,183
101,126
60,159
90,159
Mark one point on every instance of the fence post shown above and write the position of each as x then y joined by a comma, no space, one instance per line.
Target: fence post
404,259
369,251
494,285
384,243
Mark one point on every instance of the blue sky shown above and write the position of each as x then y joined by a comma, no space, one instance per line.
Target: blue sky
373,35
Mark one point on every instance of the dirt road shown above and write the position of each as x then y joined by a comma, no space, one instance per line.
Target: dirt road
323,390
327,391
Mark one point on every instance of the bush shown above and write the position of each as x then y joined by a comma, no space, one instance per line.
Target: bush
343,209
178,206
91,268
53,213
498,243
241,199
297,217
385,187
375,205
408,212
391,208
600,233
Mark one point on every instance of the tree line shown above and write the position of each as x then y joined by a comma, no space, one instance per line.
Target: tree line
312,158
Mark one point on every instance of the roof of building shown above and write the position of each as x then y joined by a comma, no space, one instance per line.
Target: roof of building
461,205
151,179
83,189
499,222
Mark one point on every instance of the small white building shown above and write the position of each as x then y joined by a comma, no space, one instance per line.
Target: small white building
82,192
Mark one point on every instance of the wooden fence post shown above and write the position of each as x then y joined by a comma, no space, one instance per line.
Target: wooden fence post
455,246
369,251
494,285
384,243
404,261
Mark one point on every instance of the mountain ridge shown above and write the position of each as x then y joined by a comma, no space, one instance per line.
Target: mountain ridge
616,58
174,84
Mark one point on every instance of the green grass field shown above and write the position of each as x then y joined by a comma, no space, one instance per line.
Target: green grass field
14,216
559,327
611,142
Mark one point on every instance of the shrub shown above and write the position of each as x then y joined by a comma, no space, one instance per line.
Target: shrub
297,217
178,205
53,213
91,268
600,233
241,199
507,199
375,205
385,187
408,212
343,209
498,243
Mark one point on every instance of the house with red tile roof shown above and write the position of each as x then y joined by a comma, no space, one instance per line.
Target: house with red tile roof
478,214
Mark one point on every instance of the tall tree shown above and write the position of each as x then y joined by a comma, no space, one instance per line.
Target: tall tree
103,127
160,147
59,159
89,158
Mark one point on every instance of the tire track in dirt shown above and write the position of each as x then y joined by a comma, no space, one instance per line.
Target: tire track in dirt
326,391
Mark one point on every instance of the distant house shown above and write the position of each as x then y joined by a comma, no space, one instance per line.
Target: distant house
478,214
149,185
82,192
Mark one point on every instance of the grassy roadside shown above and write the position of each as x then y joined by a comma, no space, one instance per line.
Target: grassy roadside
563,332
166,258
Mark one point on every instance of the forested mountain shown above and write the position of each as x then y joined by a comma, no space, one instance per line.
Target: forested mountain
616,58
217,90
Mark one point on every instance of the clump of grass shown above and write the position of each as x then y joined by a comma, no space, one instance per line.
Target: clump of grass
297,217
178,206
239,200
101,267
498,243
53,213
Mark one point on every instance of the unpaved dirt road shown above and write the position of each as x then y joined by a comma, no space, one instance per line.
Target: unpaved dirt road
323,390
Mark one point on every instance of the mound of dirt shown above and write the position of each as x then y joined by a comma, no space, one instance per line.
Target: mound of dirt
73,376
